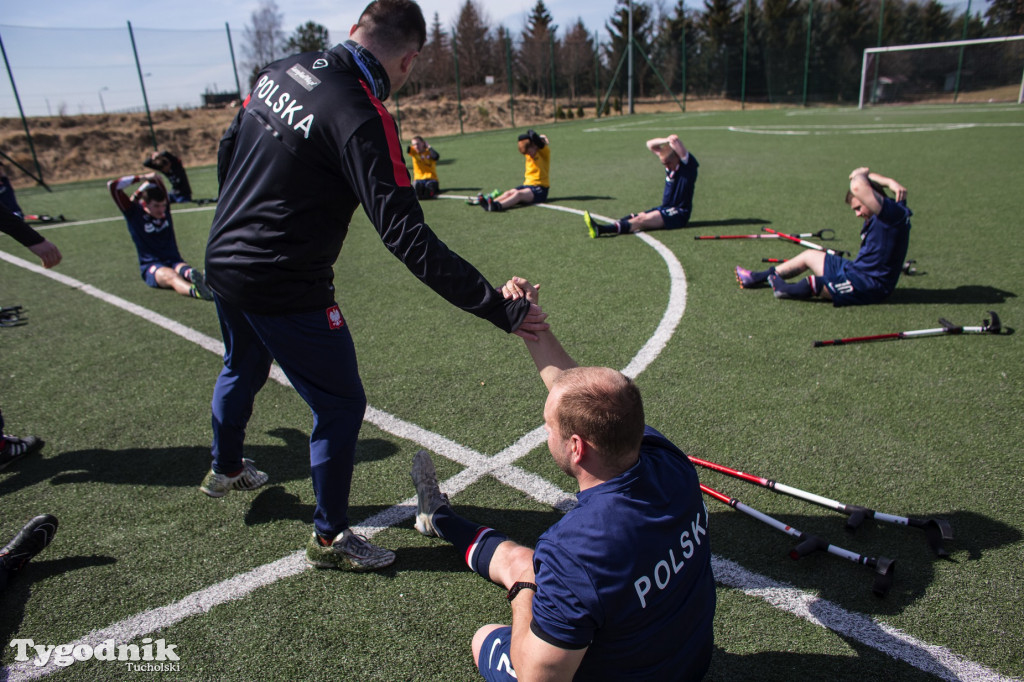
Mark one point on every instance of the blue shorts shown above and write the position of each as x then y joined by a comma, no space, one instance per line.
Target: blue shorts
148,273
540,194
673,216
846,286
495,663
426,189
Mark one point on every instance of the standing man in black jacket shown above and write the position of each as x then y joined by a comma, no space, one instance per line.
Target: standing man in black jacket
311,143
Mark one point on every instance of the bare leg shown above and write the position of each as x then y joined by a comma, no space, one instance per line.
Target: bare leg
648,220
807,260
167,278
513,197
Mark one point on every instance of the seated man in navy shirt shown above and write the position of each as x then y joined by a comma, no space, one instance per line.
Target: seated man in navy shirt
621,587
147,212
884,239
676,198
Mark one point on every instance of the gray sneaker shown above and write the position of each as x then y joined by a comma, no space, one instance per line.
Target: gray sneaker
218,485
348,552
429,497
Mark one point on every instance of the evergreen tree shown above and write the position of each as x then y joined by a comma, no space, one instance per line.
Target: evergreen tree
474,44
535,53
436,65
576,61
1005,18
721,48
310,37
618,30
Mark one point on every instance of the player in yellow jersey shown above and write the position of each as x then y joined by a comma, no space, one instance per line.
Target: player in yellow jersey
536,182
424,168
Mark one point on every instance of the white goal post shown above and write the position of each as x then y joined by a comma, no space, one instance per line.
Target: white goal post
923,46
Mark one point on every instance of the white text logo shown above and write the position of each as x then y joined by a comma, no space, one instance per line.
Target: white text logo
65,654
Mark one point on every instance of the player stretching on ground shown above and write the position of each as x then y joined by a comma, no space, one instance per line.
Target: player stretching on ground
537,180
596,599
870,278
676,201
424,168
148,215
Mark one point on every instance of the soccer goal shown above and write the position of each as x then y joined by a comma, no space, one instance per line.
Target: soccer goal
982,70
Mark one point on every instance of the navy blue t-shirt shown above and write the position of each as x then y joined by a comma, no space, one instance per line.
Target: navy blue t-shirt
884,241
679,184
627,573
154,239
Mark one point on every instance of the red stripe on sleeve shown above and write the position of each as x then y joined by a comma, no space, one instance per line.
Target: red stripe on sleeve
394,146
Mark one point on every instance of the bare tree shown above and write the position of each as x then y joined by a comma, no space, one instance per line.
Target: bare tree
264,37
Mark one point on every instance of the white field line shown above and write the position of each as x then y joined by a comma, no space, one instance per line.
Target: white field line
76,223
891,641
864,128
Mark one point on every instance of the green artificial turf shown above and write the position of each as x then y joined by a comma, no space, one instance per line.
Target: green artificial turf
924,427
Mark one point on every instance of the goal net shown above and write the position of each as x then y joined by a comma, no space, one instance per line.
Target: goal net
983,70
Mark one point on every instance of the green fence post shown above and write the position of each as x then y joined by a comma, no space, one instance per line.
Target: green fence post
960,60
24,122
458,85
743,70
807,50
142,84
508,74
234,66
554,95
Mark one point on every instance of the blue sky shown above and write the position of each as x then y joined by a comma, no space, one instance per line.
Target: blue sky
75,56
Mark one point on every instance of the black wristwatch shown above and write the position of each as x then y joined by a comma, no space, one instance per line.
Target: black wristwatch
514,590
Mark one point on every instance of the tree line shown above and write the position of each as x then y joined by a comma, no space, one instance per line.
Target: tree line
771,50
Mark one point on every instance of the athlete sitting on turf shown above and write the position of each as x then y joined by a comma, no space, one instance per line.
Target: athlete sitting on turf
870,278
148,215
171,166
536,182
424,168
619,588
676,201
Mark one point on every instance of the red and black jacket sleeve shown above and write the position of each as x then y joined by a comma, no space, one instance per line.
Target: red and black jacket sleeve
374,166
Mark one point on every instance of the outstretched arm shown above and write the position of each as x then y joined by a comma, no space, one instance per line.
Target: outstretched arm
547,352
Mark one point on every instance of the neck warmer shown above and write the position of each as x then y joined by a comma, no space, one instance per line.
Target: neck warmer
372,69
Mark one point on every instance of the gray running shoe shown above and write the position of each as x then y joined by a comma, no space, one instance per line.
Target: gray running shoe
218,485
348,552
429,497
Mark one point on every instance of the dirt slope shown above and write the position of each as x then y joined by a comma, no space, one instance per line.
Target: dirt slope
100,146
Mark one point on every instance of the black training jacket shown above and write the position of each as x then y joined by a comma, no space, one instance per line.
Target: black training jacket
18,228
310,144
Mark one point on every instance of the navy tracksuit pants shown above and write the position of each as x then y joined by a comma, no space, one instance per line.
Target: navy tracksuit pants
316,353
